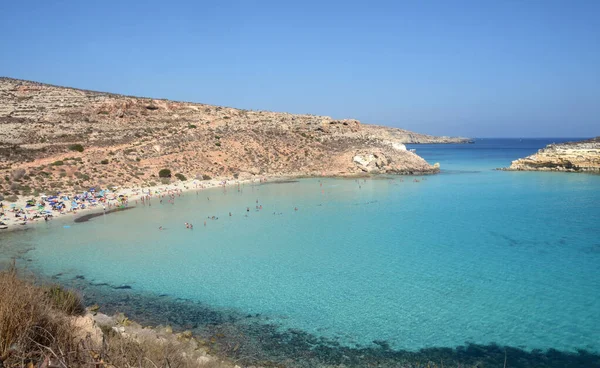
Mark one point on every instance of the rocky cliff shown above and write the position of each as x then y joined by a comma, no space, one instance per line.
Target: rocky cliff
583,156
60,138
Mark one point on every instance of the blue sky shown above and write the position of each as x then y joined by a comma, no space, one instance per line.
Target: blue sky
526,68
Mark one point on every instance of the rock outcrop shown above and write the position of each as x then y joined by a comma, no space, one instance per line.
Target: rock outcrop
63,138
583,156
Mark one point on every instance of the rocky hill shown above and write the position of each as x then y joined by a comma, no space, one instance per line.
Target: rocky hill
57,138
583,156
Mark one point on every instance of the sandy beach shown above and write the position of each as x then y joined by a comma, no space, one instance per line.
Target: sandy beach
114,199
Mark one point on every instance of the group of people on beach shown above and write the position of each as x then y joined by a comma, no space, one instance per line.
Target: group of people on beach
47,207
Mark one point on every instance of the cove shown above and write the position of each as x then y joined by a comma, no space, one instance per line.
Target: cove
471,258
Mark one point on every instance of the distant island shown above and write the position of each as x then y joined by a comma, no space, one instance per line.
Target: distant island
65,139
582,156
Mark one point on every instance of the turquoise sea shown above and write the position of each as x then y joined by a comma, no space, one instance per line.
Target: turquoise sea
463,267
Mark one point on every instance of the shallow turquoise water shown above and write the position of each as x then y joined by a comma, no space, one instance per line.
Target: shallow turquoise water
469,255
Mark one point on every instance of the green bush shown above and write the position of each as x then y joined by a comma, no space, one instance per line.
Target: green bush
76,147
218,144
65,300
206,177
164,173
104,162
180,177
192,126
57,163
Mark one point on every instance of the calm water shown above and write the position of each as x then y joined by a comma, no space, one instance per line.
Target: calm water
471,255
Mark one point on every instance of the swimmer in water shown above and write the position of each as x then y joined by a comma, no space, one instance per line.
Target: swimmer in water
160,228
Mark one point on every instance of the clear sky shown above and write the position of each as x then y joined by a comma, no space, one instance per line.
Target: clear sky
482,68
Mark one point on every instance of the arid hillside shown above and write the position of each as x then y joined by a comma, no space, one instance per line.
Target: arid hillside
57,138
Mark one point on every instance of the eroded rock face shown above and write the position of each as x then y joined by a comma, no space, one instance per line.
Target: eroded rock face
581,156
127,140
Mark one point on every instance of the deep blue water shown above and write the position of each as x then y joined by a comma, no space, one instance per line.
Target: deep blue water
472,255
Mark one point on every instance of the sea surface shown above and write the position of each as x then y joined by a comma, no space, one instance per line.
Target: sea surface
472,257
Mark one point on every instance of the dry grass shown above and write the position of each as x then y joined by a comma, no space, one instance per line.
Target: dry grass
37,330
66,301
30,326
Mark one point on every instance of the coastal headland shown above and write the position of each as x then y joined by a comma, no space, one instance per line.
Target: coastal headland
58,141
581,156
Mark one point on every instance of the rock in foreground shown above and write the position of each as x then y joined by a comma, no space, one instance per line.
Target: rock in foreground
583,156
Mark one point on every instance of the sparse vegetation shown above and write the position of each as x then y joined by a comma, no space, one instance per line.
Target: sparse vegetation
180,177
206,177
37,330
28,322
76,147
65,300
164,173
57,163
104,162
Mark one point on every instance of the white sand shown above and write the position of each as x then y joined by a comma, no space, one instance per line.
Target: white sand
18,223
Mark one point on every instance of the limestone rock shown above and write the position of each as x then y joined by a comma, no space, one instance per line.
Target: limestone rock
583,156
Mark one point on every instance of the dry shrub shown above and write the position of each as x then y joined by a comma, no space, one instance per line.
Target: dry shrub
30,328
66,301
147,353
37,329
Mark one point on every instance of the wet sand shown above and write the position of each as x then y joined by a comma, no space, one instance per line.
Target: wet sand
89,216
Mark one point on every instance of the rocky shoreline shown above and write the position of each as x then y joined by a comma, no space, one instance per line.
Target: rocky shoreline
256,341
581,156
